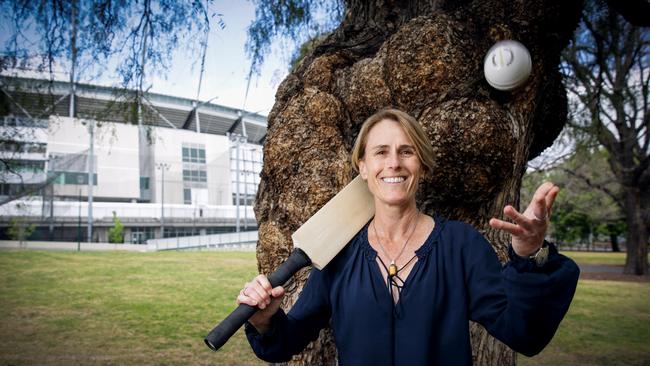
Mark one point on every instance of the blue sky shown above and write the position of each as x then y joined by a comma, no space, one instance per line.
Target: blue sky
227,66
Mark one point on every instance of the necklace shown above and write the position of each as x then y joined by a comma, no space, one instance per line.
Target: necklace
392,268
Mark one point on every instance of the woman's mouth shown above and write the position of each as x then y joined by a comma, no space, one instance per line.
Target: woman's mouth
393,179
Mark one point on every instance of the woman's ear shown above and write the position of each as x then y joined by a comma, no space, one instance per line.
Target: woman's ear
363,170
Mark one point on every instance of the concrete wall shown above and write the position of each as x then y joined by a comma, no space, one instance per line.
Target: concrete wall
116,149
168,149
51,245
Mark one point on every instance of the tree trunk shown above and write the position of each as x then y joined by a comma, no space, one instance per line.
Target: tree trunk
613,239
426,58
636,260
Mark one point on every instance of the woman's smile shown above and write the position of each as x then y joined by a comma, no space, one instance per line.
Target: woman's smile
393,180
390,165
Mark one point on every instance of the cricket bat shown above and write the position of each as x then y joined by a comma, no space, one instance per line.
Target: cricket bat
316,242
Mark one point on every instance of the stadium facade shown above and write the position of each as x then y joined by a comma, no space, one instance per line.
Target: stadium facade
79,156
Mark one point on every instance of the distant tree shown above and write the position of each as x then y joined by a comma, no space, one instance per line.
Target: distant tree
613,230
19,229
116,233
581,211
607,73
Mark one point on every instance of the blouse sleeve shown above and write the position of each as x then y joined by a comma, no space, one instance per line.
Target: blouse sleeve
520,303
290,333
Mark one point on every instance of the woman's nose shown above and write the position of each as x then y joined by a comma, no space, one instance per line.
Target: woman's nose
392,161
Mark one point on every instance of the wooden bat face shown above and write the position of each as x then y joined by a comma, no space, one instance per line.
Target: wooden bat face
335,224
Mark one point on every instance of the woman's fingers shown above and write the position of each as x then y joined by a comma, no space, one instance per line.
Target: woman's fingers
550,198
543,200
538,207
244,299
512,229
252,294
518,218
259,292
264,282
277,292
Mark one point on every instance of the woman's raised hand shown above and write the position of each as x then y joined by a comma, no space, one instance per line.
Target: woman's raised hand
259,293
529,227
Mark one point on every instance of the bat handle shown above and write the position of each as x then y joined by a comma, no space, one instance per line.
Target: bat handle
222,332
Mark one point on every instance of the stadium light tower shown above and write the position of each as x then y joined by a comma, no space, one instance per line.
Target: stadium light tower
162,167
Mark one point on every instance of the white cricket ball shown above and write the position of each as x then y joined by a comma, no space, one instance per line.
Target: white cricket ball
507,65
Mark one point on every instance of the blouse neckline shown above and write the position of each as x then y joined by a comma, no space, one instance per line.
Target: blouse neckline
421,252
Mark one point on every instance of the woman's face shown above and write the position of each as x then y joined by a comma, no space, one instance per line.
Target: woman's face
390,164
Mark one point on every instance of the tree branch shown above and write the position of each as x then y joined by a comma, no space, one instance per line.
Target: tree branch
632,11
594,185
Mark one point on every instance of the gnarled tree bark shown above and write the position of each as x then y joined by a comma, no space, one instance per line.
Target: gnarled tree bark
426,58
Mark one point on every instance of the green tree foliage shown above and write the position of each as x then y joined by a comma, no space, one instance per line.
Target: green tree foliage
581,212
19,230
116,233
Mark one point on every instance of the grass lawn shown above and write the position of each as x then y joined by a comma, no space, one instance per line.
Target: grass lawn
608,258
608,324
62,308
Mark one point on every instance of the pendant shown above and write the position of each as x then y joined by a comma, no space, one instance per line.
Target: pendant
392,270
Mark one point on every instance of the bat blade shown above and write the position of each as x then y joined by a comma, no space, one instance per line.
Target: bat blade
335,224
316,242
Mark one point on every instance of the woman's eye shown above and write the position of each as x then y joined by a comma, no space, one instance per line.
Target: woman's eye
407,152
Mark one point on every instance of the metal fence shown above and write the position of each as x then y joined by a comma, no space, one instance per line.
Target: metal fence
244,240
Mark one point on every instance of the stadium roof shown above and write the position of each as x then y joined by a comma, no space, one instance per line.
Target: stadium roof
40,98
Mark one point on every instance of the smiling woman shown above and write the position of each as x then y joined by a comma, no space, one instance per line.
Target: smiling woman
404,288
392,153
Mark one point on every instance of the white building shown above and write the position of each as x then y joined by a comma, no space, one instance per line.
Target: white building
165,162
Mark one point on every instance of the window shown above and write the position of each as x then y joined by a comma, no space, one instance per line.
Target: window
19,146
36,148
72,178
140,235
190,175
193,153
144,183
176,232
219,230
194,168
16,189
79,178
10,146
187,196
250,167
72,168
26,166
11,121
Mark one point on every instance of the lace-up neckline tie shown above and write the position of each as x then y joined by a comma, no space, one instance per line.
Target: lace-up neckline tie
393,280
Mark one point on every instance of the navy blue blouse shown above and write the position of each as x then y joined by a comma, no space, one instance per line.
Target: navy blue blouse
456,278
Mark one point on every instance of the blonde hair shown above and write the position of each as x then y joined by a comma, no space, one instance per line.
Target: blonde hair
411,127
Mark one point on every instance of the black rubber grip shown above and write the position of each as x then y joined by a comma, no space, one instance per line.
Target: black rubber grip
222,332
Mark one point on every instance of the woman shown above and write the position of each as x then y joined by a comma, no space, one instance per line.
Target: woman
402,291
